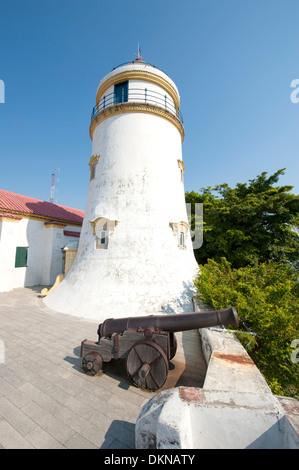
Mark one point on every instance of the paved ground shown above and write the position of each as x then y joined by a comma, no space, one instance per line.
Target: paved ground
46,400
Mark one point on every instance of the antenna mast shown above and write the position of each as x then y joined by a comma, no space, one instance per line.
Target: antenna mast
138,54
53,186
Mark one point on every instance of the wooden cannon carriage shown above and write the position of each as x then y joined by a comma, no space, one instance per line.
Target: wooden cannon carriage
148,343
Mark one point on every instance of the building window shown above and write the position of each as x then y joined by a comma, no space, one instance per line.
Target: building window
102,229
182,169
181,239
92,166
102,236
21,256
121,92
180,231
92,172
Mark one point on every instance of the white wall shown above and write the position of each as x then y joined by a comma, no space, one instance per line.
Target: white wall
44,260
8,234
54,264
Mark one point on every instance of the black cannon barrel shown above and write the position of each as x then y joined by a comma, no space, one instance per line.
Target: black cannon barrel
171,323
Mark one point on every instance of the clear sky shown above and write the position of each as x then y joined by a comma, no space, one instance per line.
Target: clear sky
232,60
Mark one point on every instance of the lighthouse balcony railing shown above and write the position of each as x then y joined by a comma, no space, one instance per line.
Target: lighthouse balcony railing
138,95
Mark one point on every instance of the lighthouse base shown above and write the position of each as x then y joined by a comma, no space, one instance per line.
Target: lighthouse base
96,301
143,271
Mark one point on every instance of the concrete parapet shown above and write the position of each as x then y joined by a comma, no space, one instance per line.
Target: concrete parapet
234,409
230,368
193,418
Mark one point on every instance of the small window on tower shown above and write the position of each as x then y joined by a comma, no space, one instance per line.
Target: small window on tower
102,236
103,229
92,172
180,231
182,169
181,240
92,166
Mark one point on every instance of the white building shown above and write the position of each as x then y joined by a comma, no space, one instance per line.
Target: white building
135,253
33,235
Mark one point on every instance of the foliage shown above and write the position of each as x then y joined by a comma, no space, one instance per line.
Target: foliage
266,298
250,223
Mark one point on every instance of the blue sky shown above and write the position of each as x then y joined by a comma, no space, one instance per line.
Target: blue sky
232,60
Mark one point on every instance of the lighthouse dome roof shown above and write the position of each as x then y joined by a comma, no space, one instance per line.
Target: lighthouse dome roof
138,69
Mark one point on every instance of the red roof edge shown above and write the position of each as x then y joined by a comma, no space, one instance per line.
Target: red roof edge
23,205
71,234
56,222
10,216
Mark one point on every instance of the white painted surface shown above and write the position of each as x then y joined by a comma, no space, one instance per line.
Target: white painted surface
137,183
8,234
229,366
44,261
218,420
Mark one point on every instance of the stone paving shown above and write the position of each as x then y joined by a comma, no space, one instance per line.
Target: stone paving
48,402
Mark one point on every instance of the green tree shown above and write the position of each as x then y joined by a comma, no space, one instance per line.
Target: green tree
254,221
266,297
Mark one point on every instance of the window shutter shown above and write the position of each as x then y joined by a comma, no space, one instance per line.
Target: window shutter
21,257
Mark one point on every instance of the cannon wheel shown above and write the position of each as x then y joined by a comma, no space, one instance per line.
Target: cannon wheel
147,365
92,363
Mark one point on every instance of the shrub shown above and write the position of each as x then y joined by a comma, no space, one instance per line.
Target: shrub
266,298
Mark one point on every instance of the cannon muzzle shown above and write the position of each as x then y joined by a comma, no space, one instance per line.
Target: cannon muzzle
170,323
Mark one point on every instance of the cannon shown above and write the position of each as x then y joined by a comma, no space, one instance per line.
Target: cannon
147,342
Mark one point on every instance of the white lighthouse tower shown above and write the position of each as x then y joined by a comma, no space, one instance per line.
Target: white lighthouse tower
135,254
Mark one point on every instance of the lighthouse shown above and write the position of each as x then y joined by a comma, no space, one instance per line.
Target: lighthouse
135,254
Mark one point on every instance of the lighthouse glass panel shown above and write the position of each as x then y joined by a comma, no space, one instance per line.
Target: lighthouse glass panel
121,92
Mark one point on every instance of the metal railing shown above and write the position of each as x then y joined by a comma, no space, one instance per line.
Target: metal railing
138,95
